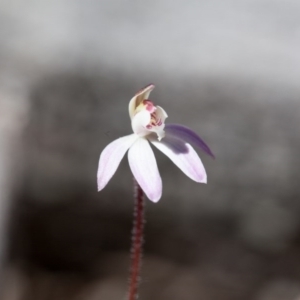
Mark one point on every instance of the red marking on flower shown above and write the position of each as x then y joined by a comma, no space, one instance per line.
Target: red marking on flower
154,121
149,105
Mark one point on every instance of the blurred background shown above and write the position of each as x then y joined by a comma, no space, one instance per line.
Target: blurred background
228,69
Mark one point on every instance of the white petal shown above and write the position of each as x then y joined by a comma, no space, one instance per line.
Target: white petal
144,168
138,98
140,121
111,157
183,156
161,113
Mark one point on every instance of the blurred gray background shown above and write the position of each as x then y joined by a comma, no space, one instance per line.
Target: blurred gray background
228,69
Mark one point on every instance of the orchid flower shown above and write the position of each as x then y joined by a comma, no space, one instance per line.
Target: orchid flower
148,125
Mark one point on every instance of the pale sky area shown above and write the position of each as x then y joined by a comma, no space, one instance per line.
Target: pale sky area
253,39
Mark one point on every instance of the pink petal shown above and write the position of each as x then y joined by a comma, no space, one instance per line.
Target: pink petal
138,98
144,168
111,157
183,156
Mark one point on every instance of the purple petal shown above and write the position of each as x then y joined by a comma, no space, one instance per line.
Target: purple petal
183,156
144,168
188,136
111,157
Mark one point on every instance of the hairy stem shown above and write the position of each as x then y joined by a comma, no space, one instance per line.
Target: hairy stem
137,242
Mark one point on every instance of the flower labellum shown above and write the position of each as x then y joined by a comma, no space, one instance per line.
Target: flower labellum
148,125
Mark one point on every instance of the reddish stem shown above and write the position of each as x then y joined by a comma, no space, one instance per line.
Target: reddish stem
137,242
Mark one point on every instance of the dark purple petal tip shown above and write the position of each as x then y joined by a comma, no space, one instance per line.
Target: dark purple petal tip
188,136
